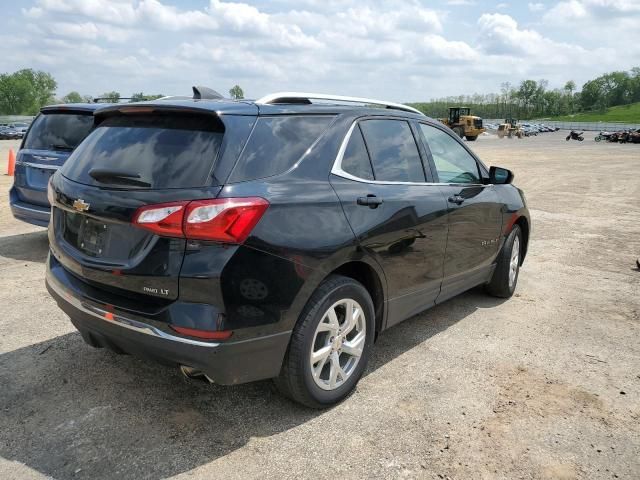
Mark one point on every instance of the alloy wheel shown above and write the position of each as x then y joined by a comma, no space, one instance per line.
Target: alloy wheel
338,343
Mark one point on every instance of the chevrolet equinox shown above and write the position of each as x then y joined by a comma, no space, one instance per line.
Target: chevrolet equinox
276,238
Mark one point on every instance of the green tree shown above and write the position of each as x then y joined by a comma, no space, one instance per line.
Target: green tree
73,97
141,97
26,91
569,88
236,92
110,97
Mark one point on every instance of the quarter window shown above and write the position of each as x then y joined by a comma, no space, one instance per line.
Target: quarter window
393,150
356,159
453,163
276,144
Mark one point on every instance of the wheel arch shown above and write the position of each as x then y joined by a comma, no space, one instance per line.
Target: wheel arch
367,275
523,223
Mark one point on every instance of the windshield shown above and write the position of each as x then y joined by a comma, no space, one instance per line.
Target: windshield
58,131
163,151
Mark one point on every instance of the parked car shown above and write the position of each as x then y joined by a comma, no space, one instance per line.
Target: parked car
8,133
53,135
276,238
20,127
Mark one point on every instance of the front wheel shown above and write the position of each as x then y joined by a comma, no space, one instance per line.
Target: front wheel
505,276
598,138
568,138
330,345
471,138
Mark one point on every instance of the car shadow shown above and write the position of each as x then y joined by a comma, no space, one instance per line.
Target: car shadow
70,411
30,247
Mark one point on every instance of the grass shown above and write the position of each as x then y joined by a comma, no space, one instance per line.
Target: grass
622,113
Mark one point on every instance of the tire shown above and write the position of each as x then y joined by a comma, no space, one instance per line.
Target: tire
598,138
296,379
459,131
568,138
501,284
471,138
580,139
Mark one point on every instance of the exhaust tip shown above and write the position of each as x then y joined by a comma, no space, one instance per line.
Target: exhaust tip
194,374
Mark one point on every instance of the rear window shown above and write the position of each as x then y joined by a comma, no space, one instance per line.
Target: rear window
276,144
166,151
58,131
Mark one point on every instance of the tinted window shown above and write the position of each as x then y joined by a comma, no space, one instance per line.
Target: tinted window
453,163
58,131
356,159
276,144
393,151
175,151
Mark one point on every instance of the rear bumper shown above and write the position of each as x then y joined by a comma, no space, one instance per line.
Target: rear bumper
225,363
27,212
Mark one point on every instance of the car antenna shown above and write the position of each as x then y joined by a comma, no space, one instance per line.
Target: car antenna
202,93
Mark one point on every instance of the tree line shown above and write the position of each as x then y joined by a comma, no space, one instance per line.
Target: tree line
26,91
534,99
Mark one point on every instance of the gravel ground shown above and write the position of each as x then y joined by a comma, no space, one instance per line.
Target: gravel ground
544,385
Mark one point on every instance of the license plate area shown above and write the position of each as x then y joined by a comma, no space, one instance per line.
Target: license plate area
86,234
93,236
39,177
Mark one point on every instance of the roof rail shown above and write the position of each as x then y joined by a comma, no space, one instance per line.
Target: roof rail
305,98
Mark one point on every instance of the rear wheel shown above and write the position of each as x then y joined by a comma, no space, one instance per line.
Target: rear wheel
330,345
505,276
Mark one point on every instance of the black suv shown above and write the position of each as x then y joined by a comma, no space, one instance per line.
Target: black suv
248,240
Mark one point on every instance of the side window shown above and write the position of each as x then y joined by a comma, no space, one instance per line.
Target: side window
453,162
393,150
356,159
276,144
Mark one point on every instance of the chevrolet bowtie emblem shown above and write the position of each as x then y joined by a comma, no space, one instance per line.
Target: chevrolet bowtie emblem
80,205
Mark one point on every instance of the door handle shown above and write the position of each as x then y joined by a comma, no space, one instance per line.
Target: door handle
370,201
457,199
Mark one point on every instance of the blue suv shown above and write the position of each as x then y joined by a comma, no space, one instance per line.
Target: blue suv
53,135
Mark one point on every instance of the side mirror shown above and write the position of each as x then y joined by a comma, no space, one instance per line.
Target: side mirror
500,176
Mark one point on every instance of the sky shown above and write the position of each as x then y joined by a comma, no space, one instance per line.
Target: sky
399,50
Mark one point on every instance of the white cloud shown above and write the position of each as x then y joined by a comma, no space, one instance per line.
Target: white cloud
395,49
536,7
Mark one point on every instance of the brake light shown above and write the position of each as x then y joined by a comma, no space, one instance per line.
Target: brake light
163,219
228,220
204,334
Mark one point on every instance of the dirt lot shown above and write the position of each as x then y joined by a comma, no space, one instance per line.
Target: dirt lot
545,385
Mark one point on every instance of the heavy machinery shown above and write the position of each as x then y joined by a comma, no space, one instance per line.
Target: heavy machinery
510,129
463,123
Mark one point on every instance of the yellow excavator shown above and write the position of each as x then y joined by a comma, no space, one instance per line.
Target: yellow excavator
463,123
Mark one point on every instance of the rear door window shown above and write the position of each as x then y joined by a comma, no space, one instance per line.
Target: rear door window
393,150
165,151
276,144
58,131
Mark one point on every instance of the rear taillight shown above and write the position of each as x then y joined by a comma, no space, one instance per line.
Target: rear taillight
162,219
228,220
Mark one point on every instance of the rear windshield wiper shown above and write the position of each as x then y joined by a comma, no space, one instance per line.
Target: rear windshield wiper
65,148
124,177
